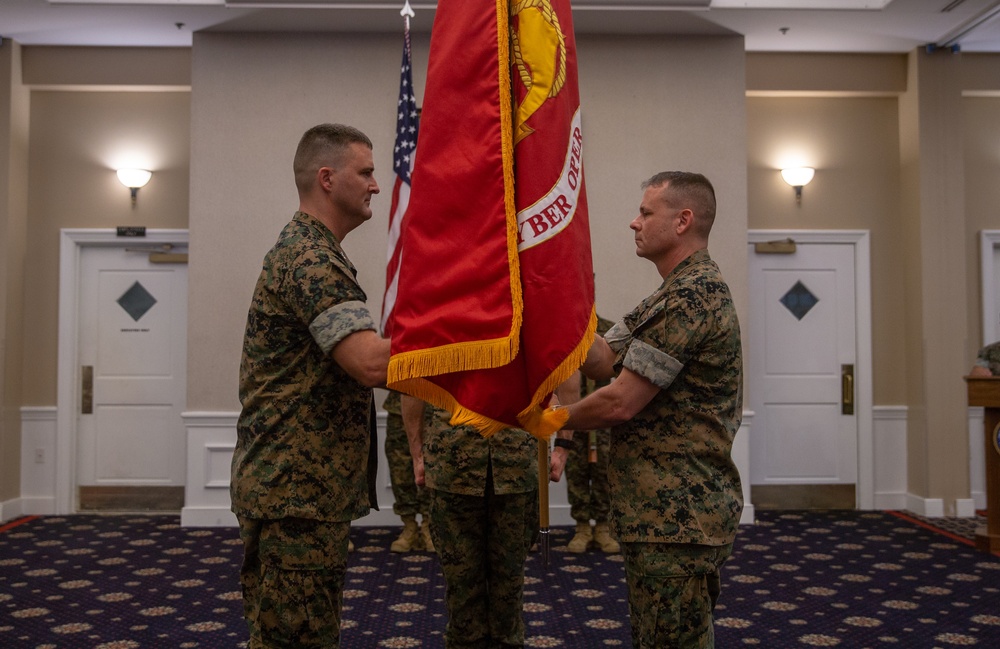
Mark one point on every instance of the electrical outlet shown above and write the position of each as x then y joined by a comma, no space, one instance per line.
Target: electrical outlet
39,456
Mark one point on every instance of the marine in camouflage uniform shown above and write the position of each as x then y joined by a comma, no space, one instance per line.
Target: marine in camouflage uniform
305,459
676,492
989,358
675,407
409,500
587,481
484,520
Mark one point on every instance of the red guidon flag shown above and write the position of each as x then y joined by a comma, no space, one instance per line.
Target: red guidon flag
495,301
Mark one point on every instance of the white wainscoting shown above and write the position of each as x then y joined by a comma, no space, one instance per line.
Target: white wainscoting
38,465
889,457
212,437
977,458
741,456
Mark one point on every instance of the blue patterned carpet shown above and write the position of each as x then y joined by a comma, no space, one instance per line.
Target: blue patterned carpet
797,579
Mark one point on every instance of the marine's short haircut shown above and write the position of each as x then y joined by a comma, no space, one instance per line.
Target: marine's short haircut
689,187
322,146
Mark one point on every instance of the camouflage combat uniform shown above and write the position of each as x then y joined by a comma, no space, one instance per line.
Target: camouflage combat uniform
586,481
410,499
989,357
300,468
484,519
676,496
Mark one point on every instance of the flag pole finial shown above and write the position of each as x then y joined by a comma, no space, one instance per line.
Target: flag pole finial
407,10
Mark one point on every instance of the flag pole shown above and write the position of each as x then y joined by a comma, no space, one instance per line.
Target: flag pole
407,12
543,500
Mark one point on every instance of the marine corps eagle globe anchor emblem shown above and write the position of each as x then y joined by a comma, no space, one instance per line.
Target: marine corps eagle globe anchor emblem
539,51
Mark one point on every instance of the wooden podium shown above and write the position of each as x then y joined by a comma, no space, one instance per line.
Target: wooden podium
985,392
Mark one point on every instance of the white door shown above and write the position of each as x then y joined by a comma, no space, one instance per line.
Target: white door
132,353
800,366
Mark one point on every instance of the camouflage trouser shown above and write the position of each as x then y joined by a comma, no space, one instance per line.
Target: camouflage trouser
410,499
672,590
293,581
586,483
482,542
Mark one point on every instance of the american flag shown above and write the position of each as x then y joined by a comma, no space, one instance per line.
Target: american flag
407,123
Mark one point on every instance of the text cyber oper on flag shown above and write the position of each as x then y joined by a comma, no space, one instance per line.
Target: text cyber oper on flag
495,300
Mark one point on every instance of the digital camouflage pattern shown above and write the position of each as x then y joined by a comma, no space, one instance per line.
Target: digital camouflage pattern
483,542
586,481
457,458
293,579
408,498
672,591
483,521
989,357
303,433
671,473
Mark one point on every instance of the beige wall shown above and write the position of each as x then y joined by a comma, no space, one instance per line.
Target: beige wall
982,199
853,143
13,225
78,139
682,108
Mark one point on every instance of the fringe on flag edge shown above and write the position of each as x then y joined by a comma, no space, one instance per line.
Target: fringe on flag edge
535,418
438,396
481,354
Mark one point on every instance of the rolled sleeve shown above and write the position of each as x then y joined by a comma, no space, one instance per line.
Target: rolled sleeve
339,322
650,363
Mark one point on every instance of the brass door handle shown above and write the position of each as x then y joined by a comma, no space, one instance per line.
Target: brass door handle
87,390
847,389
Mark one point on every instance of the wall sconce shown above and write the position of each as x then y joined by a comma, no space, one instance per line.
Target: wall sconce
134,179
798,177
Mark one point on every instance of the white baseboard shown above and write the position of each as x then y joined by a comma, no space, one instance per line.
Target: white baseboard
890,500
207,517
965,508
929,507
11,509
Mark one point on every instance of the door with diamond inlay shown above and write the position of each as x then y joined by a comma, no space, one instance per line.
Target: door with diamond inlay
133,354
804,437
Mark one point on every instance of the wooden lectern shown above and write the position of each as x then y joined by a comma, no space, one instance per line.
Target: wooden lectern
985,392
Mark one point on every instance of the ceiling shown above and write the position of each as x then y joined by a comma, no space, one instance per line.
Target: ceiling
767,25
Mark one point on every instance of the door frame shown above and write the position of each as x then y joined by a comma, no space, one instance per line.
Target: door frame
71,244
860,239
989,241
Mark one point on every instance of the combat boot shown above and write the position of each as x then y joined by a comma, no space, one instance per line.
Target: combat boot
603,540
581,540
425,536
408,538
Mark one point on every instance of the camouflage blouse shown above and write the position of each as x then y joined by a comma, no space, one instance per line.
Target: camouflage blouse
456,458
303,432
671,475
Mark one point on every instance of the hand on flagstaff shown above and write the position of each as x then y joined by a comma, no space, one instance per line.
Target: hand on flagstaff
557,463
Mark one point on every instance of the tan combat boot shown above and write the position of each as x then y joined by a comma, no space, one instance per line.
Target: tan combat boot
408,538
603,540
350,545
425,536
581,540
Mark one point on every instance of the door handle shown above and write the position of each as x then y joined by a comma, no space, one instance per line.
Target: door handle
847,389
87,390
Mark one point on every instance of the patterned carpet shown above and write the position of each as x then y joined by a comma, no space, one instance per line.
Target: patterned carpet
797,579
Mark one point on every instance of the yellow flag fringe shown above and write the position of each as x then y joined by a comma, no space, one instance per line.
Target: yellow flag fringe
438,396
533,418
478,354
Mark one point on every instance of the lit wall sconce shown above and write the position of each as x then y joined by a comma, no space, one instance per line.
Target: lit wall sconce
798,177
134,179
